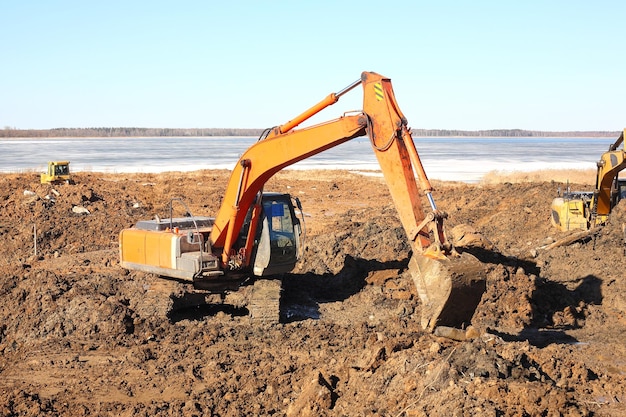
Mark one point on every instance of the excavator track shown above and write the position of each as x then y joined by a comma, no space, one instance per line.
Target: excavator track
264,304
166,299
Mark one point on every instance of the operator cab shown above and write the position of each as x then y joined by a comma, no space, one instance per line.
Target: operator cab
278,236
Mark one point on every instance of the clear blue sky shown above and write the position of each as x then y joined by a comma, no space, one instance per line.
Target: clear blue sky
541,65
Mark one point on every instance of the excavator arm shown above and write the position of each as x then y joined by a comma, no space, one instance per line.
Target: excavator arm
610,165
449,285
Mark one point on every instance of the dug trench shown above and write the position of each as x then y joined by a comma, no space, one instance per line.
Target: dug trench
79,335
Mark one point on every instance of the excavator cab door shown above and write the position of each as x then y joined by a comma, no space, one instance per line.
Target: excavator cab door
619,193
279,239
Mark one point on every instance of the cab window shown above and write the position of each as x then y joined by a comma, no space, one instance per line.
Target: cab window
280,223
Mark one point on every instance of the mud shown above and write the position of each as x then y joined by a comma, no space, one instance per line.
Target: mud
81,336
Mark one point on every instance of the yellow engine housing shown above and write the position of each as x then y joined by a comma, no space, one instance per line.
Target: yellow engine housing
570,214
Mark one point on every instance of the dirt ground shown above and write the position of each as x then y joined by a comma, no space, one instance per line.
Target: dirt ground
79,335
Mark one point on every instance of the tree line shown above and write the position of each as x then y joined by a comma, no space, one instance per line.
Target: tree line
106,132
512,133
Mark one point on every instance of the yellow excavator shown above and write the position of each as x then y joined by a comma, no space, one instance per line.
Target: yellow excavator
257,234
583,210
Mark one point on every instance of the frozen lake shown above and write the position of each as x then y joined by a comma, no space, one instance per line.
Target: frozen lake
457,159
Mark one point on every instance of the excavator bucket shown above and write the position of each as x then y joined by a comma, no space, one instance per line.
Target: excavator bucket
449,288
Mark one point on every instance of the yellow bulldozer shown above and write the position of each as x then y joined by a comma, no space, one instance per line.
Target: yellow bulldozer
58,172
583,210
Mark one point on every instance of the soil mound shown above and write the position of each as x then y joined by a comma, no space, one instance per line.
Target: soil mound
79,335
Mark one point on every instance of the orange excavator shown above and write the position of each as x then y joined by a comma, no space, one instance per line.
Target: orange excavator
257,234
